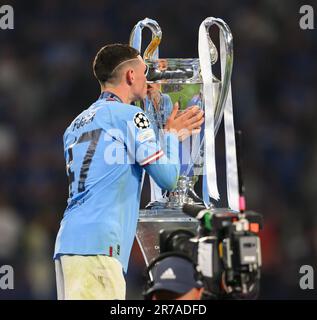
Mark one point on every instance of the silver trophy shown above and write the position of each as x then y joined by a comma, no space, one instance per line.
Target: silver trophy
180,80
189,82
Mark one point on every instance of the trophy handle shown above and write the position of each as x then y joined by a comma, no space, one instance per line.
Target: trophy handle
136,32
225,82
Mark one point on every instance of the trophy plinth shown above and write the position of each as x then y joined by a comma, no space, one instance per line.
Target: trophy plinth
151,222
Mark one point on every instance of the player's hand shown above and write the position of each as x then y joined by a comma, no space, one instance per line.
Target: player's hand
186,123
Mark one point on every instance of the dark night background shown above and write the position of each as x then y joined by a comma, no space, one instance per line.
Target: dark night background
46,80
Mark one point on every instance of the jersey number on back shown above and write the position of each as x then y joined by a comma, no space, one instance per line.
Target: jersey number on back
92,136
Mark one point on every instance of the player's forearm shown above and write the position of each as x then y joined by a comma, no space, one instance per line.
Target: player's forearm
165,171
170,146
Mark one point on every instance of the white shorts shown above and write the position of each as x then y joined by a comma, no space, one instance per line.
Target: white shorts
95,277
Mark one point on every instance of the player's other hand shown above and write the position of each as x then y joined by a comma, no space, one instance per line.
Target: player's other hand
185,123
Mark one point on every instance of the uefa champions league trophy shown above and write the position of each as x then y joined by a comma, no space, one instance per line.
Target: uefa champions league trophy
188,82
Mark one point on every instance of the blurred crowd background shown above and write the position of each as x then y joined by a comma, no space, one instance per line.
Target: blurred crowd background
46,80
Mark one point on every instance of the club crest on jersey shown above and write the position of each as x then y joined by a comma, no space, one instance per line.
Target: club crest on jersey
141,121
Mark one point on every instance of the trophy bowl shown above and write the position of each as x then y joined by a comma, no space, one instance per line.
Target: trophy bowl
180,80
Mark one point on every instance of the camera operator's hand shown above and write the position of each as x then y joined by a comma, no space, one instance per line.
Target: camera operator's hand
185,123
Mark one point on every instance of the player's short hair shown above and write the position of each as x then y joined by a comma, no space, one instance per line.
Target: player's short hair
109,57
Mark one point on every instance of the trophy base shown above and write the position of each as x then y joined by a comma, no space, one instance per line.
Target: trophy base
184,193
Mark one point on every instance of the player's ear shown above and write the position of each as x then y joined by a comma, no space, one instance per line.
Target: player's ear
130,75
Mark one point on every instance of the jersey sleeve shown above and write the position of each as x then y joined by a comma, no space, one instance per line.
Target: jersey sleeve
159,159
165,170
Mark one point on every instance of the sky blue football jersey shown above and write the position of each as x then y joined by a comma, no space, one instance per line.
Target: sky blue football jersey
106,148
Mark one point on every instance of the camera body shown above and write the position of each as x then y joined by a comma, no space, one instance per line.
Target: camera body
226,248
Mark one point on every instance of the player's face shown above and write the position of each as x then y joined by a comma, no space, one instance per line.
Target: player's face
140,86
